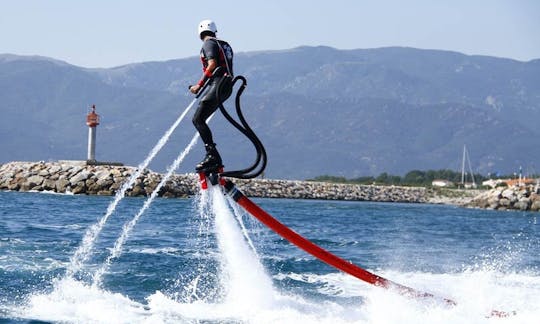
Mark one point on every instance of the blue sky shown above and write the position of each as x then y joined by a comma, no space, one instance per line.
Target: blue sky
102,33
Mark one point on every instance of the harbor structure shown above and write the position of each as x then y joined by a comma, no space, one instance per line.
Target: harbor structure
92,120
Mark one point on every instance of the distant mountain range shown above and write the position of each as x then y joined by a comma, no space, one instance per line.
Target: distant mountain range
318,110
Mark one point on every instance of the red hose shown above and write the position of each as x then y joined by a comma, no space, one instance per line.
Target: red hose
326,256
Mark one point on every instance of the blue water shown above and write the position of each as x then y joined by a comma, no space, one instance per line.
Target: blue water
186,260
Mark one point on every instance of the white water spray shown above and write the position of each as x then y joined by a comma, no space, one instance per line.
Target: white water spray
87,244
246,284
238,214
126,230
199,285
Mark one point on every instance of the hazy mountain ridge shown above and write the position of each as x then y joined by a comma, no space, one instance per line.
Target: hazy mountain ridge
318,110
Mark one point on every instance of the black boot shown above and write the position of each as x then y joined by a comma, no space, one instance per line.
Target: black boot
212,160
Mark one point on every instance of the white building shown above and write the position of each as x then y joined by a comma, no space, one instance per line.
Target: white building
442,183
493,182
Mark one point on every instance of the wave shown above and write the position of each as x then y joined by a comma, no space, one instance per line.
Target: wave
50,192
164,250
72,301
340,299
13,263
476,293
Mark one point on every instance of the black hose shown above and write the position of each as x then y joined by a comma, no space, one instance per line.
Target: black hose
243,127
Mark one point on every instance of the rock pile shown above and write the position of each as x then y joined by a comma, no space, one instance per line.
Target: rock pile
516,198
79,178
330,191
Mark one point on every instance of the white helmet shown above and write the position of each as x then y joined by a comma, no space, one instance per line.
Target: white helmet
207,25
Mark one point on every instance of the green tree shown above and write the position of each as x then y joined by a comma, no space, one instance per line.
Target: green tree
415,177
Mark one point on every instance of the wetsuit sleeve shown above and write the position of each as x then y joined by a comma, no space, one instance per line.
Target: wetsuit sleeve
211,50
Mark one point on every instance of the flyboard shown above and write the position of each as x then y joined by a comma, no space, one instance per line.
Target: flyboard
218,177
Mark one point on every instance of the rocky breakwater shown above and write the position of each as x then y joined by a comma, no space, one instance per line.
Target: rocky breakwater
514,198
79,178
330,191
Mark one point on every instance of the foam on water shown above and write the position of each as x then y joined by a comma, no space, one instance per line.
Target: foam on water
73,301
245,292
476,293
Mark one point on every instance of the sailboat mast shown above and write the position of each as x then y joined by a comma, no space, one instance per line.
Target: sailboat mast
463,167
470,170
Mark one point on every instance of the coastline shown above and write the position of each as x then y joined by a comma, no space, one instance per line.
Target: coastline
76,177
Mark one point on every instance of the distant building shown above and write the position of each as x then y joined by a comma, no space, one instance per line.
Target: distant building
442,183
520,182
493,182
470,185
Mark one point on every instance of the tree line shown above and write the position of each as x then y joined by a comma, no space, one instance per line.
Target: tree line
411,178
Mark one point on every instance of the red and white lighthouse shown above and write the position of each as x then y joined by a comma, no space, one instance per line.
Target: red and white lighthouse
92,120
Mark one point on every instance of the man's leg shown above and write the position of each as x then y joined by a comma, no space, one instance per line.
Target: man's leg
207,107
199,121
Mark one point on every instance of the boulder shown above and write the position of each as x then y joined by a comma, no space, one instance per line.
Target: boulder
104,184
81,176
91,186
509,194
523,204
14,185
116,185
103,175
55,168
116,172
73,170
49,184
535,205
504,202
33,183
79,188
44,173
62,185
138,190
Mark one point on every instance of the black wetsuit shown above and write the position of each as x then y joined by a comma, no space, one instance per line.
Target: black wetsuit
222,52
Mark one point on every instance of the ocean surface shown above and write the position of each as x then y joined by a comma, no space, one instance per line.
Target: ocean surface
203,260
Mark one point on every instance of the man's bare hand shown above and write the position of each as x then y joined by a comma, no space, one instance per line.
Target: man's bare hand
195,89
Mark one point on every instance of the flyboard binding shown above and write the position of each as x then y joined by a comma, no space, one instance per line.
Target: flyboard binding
212,175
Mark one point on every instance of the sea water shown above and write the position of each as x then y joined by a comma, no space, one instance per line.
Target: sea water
85,248
192,261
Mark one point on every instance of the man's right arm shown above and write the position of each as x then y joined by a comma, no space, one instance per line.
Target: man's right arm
212,64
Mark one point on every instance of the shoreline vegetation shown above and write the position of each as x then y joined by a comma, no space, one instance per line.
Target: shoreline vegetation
415,178
76,177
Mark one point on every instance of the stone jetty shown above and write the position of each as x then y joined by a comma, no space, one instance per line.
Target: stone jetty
79,178
523,198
